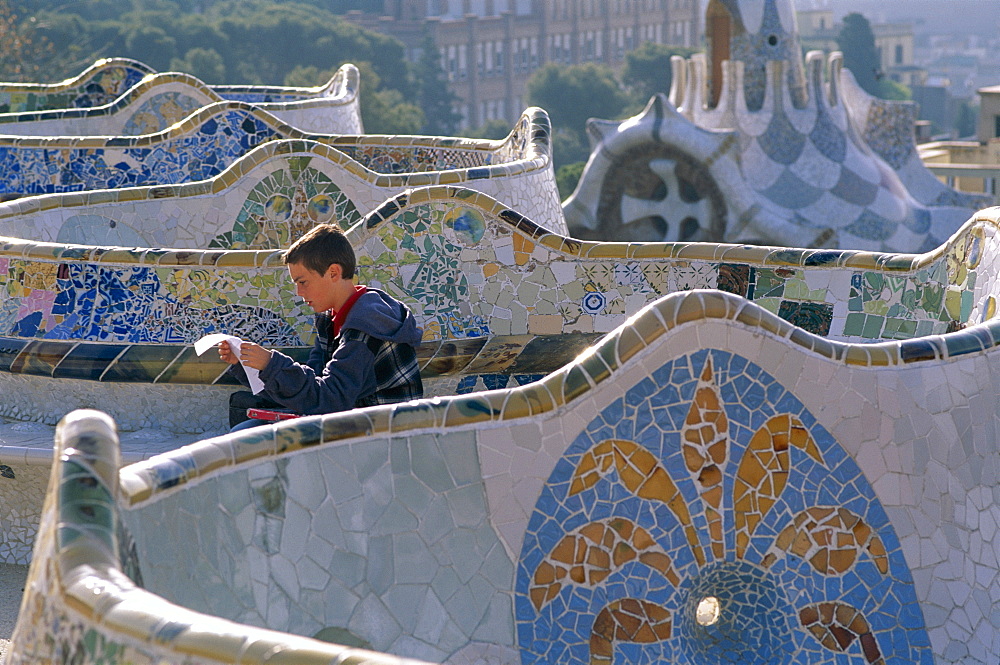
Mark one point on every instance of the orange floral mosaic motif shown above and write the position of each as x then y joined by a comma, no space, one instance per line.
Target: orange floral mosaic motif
642,474
837,626
763,472
627,620
705,437
592,552
830,539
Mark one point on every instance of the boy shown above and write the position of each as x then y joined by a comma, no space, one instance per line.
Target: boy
365,350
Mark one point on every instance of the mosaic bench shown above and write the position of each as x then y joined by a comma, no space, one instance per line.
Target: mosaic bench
708,483
161,100
205,143
501,301
270,196
109,78
506,303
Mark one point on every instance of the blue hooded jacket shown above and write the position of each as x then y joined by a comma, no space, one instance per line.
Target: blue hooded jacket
372,361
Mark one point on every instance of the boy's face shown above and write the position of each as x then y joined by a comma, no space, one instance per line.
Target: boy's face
319,291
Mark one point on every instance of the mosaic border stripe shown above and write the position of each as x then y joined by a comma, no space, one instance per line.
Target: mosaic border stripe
75,81
761,255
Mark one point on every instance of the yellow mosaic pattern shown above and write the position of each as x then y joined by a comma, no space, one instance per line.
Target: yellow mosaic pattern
705,445
763,472
641,474
830,539
627,620
592,552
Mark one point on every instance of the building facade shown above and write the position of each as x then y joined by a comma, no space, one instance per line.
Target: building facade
490,48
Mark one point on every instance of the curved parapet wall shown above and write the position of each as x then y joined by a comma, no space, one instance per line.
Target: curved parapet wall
269,197
110,78
708,482
101,83
500,299
159,101
78,553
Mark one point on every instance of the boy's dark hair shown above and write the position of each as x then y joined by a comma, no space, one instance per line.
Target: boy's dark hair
321,247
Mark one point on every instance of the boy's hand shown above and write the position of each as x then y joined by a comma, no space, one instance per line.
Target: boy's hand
226,353
252,355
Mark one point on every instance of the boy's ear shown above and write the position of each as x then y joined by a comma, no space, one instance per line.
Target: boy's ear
335,270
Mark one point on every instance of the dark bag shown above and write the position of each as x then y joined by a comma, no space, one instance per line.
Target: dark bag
241,400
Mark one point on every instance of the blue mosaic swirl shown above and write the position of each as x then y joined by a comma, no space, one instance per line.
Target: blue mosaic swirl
196,155
131,304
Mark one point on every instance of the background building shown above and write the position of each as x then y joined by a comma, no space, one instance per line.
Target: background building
489,48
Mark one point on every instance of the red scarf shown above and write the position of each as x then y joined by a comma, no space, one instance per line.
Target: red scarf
340,315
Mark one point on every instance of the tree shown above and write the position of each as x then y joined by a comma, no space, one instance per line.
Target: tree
308,77
384,110
436,99
575,93
889,89
567,178
491,129
572,95
150,44
227,41
24,55
647,69
204,63
568,147
857,42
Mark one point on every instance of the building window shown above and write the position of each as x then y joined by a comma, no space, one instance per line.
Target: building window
899,54
996,126
561,51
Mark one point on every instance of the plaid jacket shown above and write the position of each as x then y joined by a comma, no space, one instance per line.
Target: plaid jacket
397,374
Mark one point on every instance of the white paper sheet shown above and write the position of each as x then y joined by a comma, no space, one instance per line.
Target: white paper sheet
210,341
